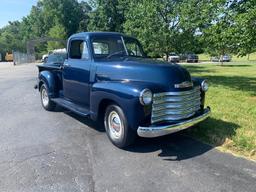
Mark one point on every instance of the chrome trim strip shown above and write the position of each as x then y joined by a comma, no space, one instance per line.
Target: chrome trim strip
164,106
194,90
177,99
156,131
171,118
168,94
175,112
184,84
168,106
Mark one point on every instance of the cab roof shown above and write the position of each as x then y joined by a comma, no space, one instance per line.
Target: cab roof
89,34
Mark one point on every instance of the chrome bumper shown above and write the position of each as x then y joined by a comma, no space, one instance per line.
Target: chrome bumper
156,131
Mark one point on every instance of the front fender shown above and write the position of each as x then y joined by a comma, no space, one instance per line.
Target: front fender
48,79
197,81
124,94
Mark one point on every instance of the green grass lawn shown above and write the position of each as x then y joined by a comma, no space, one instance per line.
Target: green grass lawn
232,98
252,57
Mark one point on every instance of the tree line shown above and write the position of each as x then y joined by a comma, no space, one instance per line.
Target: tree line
163,26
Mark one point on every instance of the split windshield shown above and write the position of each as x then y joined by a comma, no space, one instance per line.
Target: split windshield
116,46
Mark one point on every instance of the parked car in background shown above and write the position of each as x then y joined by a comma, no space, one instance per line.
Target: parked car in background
189,57
108,78
56,58
45,56
173,57
9,57
215,59
224,58
192,58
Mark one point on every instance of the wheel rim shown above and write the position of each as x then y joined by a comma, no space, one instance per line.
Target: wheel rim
45,98
115,125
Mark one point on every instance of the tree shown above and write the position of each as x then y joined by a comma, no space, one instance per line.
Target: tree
244,15
233,30
11,38
109,15
54,18
84,21
219,37
164,26
56,32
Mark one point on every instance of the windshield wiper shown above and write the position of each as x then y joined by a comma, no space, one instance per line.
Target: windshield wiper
115,53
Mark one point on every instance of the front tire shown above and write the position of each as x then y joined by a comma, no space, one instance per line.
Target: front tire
45,99
117,128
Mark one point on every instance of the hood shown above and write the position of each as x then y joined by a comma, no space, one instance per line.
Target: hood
148,71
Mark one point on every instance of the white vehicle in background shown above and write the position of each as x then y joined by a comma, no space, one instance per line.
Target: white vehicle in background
173,57
222,58
45,56
225,58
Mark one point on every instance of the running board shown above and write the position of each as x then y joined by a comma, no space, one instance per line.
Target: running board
72,106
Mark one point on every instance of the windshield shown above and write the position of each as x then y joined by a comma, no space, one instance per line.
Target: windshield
116,46
133,47
173,54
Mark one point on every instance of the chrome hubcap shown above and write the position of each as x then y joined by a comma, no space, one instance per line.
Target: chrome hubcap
45,98
115,125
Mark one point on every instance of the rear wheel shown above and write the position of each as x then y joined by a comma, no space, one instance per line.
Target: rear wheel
45,99
117,127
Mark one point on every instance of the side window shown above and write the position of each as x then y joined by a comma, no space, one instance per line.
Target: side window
78,50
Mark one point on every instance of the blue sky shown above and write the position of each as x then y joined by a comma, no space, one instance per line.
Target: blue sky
11,10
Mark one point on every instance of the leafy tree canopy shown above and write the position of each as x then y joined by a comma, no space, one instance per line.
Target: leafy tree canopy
163,26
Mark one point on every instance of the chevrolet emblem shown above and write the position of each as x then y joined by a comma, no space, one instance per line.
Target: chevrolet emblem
184,84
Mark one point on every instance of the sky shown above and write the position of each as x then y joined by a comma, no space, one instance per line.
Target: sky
12,10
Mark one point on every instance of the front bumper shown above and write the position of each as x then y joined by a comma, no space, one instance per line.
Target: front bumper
156,131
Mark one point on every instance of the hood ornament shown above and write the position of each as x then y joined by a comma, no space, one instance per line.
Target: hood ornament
184,84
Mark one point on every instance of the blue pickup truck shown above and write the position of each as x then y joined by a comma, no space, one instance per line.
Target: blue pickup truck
108,78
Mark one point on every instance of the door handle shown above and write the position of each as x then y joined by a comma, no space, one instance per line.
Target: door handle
66,65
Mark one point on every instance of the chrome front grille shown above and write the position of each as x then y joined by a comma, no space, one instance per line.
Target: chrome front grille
173,106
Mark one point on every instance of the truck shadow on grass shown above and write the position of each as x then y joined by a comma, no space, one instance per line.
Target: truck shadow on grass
183,145
240,83
203,69
197,69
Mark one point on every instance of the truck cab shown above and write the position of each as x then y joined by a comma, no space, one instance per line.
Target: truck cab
108,78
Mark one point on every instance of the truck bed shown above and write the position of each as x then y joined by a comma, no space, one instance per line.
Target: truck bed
56,71
49,67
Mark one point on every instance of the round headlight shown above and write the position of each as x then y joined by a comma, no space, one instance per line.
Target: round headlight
146,97
204,86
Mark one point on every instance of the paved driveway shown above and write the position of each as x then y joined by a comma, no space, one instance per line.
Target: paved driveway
59,151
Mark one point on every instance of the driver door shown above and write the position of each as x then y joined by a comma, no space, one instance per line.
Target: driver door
76,73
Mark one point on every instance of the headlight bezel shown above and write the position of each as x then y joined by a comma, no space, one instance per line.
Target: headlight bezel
146,97
204,86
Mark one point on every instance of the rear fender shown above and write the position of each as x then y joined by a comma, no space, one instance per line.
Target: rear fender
48,78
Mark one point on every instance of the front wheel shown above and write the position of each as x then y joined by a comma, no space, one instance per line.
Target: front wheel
117,127
45,99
